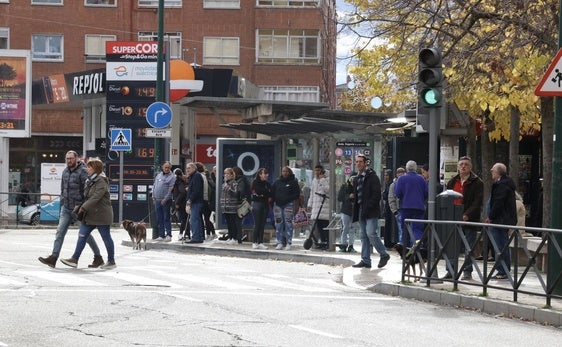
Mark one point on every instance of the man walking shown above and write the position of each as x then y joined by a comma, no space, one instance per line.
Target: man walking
72,194
502,211
367,196
162,199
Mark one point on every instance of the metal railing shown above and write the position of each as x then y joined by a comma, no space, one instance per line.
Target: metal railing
13,203
431,251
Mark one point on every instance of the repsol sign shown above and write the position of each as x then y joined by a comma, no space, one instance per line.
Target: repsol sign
91,83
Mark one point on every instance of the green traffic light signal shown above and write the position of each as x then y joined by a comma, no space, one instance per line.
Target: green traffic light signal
431,97
430,77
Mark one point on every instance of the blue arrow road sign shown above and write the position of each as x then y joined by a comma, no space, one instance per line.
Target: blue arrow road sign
159,115
120,140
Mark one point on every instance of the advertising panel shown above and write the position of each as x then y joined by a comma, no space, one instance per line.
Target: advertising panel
51,176
15,93
250,155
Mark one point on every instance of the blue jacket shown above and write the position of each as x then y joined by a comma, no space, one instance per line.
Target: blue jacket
412,191
162,187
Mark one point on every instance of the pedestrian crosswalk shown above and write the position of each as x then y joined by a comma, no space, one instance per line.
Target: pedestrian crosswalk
161,277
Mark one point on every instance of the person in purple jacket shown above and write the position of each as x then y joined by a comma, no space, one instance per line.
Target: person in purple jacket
412,191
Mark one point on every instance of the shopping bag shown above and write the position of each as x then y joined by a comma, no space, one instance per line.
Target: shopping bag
244,208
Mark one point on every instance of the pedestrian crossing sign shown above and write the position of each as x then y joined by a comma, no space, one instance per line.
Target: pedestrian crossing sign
120,140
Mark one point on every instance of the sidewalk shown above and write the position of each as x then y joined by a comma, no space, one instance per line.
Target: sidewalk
387,280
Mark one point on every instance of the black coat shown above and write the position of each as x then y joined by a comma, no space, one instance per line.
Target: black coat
370,204
502,202
472,197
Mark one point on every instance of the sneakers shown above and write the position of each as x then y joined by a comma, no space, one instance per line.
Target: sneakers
159,239
254,245
350,249
181,238
384,259
50,260
279,246
98,261
466,276
288,247
231,242
108,265
70,262
168,238
262,246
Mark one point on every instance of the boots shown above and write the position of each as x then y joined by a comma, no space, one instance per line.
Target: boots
50,260
98,261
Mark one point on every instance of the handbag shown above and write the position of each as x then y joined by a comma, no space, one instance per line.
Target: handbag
301,218
243,209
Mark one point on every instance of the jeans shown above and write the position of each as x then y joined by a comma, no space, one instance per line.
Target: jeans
85,232
370,237
260,210
163,218
65,218
470,234
501,237
347,232
284,222
195,222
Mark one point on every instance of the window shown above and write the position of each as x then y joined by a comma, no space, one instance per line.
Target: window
289,3
173,38
94,47
4,38
221,51
47,47
154,3
101,3
221,4
46,2
291,93
288,46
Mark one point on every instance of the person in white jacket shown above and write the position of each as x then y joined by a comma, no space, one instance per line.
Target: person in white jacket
318,206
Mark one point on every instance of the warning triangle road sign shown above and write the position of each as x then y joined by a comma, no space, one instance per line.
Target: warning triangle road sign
551,83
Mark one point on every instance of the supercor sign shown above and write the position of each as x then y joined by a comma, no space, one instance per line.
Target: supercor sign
120,47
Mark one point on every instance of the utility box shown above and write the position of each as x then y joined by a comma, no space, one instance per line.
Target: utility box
445,209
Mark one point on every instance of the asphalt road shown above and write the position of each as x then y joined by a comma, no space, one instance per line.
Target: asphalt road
167,298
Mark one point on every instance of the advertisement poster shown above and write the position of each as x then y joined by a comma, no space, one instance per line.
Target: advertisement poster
51,176
15,93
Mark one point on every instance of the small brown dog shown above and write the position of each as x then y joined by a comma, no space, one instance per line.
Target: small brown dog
137,232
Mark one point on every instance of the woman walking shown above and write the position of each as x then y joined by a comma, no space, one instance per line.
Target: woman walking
261,194
96,212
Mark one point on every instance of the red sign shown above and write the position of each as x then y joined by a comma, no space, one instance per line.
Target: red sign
551,83
207,154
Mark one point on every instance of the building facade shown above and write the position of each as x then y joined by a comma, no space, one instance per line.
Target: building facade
285,48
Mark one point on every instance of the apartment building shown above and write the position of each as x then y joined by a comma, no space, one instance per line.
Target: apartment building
286,48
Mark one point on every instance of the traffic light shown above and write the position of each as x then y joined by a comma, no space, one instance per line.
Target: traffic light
430,75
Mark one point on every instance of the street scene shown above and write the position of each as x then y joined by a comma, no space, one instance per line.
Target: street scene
170,298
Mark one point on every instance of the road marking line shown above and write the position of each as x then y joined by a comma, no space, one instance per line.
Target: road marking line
284,284
317,332
139,280
70,279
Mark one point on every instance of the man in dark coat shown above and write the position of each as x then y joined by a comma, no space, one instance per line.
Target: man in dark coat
502,210
366,210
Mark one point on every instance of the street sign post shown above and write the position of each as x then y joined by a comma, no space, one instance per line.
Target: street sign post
121,141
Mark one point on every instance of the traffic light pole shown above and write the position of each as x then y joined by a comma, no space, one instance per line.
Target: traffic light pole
434,122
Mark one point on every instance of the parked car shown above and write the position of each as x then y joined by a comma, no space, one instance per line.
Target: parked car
30,214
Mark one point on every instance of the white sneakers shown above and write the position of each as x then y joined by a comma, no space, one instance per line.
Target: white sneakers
259,246
231,242
168,239
279,246
159,239
288,247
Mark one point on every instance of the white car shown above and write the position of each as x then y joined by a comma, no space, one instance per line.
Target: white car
30,214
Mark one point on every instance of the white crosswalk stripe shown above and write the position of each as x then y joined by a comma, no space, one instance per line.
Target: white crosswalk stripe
66,278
